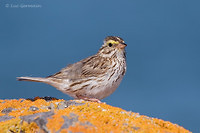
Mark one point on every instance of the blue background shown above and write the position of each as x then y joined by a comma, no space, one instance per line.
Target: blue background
163,58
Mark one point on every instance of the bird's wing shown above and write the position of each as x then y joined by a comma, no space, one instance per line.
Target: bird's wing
90,67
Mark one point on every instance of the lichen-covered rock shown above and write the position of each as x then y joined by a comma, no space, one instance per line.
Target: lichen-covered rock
59,116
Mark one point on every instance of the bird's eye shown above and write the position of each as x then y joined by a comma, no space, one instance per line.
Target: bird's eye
110,44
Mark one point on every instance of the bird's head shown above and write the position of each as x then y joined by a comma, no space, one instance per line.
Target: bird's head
112,45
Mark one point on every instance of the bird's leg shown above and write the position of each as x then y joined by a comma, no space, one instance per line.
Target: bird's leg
89,99
93,100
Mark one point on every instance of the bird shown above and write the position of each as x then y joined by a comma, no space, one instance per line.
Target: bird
92,78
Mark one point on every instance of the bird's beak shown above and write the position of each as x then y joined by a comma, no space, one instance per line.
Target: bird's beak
121,45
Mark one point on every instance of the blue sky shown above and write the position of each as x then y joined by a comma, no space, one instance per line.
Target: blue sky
163,57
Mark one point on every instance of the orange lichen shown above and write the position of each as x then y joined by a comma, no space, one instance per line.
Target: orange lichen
88,117
9,125
32,127
54,124
80,128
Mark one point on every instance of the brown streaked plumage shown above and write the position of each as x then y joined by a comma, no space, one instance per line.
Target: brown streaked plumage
92,78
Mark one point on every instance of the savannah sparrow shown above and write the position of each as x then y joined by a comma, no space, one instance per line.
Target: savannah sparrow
93,78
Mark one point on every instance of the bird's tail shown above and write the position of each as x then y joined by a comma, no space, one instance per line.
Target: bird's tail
54,82
33,79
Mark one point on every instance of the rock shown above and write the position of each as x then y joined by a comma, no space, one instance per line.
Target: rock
5,118
51,115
